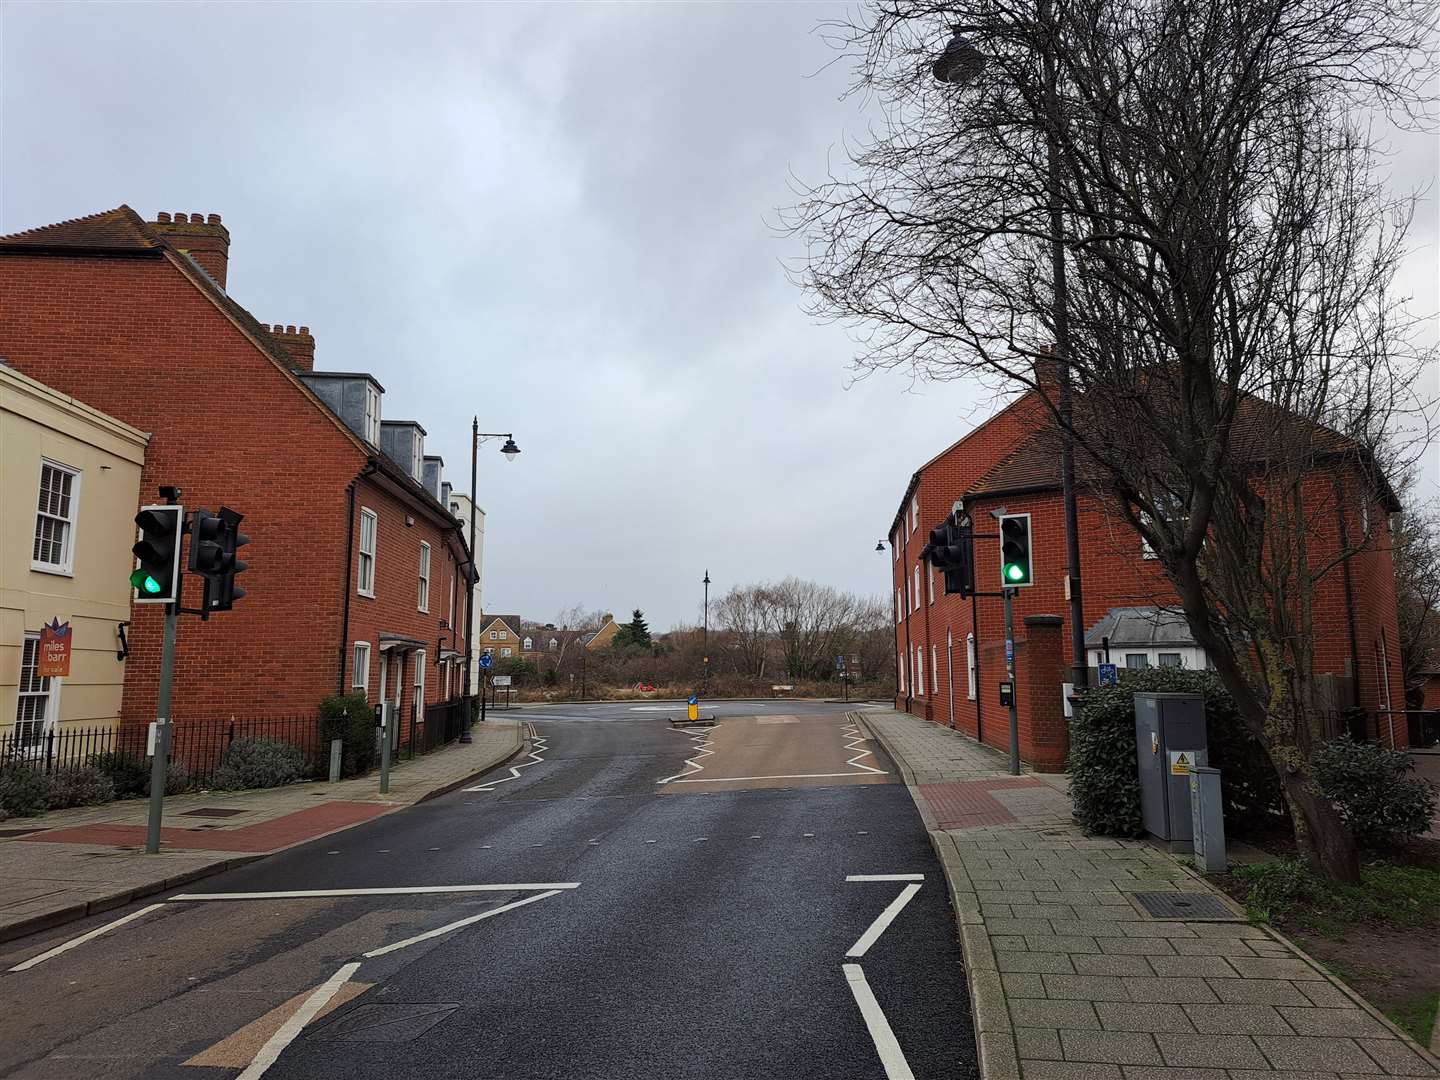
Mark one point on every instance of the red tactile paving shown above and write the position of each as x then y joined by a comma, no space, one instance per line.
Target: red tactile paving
262,836
962,804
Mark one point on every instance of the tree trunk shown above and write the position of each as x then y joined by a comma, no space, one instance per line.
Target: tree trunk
1323,838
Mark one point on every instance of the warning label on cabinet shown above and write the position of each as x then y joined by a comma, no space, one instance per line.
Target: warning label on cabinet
1180,762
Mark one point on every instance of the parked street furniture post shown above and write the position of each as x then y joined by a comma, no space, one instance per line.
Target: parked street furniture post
162,731
510,450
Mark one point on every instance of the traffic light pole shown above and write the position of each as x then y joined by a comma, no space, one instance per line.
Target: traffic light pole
1010,674
162,730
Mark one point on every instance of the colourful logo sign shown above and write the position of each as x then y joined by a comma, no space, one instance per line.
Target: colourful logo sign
55,641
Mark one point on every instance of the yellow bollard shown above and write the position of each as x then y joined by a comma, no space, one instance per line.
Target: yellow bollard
694,712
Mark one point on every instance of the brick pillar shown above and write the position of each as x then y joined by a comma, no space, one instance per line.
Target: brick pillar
1045,739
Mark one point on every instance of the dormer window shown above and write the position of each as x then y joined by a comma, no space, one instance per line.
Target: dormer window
528,644
372,415
417,453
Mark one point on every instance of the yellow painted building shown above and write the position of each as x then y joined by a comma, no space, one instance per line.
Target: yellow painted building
69,488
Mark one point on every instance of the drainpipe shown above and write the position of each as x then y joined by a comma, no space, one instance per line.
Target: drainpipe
369,469
979,684
909,648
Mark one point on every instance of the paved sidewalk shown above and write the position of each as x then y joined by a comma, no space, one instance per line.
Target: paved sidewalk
72,863
1069,980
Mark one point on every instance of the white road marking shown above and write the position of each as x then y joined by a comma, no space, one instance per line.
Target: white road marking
701,741
412,890
884,877
855,739
891,1056
728,779
83,938
882,921
538,744
461,923
292,1027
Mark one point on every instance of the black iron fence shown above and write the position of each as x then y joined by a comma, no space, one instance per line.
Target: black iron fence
200,746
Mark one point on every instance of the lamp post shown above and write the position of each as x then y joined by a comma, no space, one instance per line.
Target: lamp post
509,450
705,638
959,64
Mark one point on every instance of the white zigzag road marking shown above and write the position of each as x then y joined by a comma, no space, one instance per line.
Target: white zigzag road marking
538,744
701,741
852,733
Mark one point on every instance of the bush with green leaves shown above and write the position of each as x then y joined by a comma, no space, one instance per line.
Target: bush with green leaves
84,786
1104,779
351,719
178,778
24,792
259,763
1374,788
129,773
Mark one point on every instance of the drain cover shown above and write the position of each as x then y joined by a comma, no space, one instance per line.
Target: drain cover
212,811
1192,906
386,1023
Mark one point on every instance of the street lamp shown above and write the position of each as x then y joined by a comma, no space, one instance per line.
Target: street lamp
879,545
510,450
705,642
961,63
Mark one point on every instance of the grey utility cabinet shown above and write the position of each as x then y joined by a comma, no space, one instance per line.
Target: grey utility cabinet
1169,742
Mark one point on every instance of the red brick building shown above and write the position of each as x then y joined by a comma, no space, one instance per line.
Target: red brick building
950,652
357,570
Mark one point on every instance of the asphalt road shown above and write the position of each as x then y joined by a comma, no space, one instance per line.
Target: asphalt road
695,930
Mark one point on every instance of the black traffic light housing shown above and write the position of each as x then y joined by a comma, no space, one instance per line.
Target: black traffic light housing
157,579
214,539
1015,563
952,550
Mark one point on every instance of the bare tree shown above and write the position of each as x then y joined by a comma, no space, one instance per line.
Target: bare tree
746,616
1416,554
1236,351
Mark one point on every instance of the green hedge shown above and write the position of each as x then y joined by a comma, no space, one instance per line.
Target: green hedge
351,719
1104,781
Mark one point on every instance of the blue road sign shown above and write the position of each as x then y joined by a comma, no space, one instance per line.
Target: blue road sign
839,663
486,660
1109,676
693,700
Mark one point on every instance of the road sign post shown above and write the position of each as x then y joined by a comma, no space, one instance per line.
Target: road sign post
485,661
387,718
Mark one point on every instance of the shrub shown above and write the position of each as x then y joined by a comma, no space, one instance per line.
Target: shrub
24,792
1374,790
259,763
129,774
178,779
1387,894
1104,783
85,786
351,719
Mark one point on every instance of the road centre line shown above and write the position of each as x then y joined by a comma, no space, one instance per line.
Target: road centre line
412,890
886,1046
292,1027
83,938
882,921
457,925
786,776
885,877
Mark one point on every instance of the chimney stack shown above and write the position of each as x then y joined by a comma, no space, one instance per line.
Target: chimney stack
204,239
298,343
1047,371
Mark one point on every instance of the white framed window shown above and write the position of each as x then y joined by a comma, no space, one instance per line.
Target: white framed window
527,644
895,545
420,684
1169,659
493,635
934,669
424,602
1137,660
919,671
930,582
365,572
904,669
360,667
454,583
914,512
899,607
372,415
970,666
554,644
54,549
505,651
915,587
417,453
504,636
37,705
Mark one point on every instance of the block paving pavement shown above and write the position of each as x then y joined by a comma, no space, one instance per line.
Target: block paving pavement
68,864
1070,980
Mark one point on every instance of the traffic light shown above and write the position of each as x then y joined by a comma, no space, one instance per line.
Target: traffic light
952,550
1015,566
157,579
214,539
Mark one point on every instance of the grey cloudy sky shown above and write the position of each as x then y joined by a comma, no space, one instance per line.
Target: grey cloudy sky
555,216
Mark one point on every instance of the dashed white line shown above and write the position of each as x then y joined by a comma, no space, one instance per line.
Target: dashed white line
296,1023
83,938
882,921
412,890
891,1056
884,877
784,776
450,927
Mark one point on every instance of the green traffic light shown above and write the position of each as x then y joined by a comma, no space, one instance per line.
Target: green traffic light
1014,572
145,582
